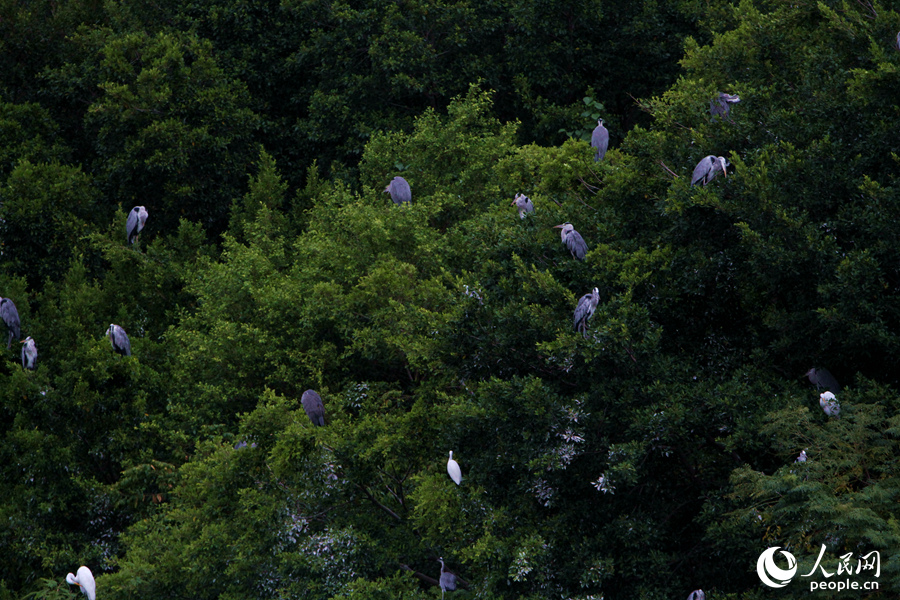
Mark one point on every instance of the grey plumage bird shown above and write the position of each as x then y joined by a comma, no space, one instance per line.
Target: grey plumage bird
315,410
29,354
600,140
720,106
523,205
573,240
707,169
119,340
10,316
802,457
587,304
823,380
399,190
447,580
137,218
696,595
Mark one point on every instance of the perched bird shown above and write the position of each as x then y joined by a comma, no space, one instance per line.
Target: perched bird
315,410
600,140
10,316
573,240
721,105
898,41
707,169
587,304
137,218
453,470
829,404
29,354
448,579
802,457
399,190
119,340
697,595
523,205
823,380
84,580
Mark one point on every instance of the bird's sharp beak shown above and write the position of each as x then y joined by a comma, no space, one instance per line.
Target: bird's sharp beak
513,202
557,226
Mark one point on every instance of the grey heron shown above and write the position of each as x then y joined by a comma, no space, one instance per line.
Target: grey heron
85,581
315,410
721,105
399,190
829,404
523,205
696,595
587,304
823,380
119,340
600,140
29,354
573,240
802,457
453,470
447,580
10,316
137,218
707,169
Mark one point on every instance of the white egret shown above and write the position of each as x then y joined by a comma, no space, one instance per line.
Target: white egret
829,404
453,470
85,581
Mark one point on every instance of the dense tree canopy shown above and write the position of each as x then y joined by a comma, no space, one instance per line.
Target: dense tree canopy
650,456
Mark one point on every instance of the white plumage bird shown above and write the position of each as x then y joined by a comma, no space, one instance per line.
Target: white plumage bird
85,581
829,404
453,470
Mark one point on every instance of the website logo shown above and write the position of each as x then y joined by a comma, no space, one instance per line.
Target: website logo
770,574
845,575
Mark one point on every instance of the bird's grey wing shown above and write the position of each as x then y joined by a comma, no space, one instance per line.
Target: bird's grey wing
529,207
131,224
122,340
600,141
404,194
700,171
315,409
10,316
582,309
827,381
576,245
448,581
